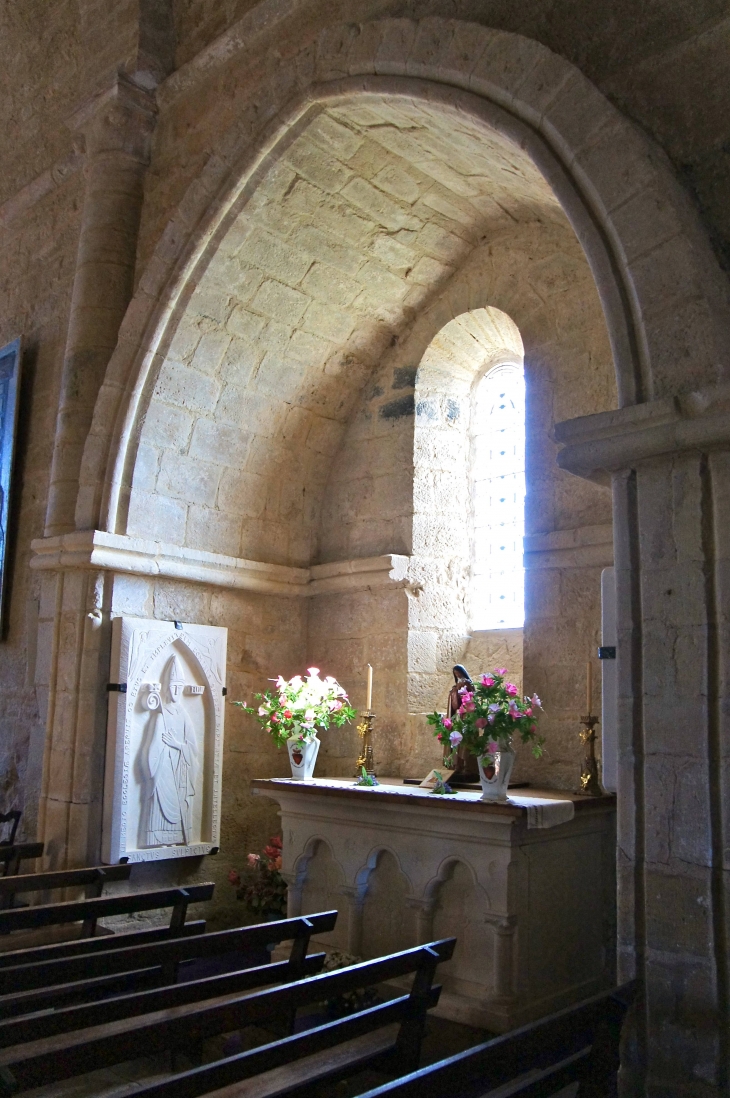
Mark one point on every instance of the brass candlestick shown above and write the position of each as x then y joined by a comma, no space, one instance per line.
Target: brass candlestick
365,730
590,785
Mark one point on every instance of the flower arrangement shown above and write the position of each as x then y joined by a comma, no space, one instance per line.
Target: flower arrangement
366,779
261,886
489,715
300,705
441,787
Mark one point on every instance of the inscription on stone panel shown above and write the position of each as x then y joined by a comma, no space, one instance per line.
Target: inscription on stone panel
164,740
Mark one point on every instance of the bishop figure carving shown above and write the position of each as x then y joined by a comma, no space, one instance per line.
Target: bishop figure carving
173,766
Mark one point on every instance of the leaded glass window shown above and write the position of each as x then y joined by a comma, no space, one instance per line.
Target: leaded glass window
498,486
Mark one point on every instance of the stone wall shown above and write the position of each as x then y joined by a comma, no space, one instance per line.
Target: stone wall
296,263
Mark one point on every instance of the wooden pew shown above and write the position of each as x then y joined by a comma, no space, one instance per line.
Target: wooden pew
579,1044
93,879
88,911
179,1025
13,819
53,951
12,854
81,978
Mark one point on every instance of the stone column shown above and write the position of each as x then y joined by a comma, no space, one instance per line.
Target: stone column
117,127
670,465
295,884
355,896
504,927
424,918
71,676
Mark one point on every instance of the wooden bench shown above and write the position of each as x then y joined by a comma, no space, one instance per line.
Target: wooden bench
579,1044
82,978
53,951
176,1024
12,854
88,911
93,879
13,819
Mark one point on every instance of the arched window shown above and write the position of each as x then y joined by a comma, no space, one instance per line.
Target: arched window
498,499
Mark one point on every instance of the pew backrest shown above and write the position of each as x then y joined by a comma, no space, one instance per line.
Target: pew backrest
88,911
178,1026
323,1054
94,879
578,1044
12,819
54,951
46,971
12,854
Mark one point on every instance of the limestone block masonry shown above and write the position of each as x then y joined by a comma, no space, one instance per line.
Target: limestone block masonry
162,788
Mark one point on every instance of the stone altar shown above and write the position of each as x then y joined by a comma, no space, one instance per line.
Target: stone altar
164,740
527,887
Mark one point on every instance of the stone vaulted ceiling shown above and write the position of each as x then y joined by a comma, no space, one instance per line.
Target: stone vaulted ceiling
358,223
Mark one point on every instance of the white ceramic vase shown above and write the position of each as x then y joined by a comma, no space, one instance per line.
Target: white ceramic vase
494,773
302,756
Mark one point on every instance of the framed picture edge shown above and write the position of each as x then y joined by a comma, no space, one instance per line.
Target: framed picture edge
8,443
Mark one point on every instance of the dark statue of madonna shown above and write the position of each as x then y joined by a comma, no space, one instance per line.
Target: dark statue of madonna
466,768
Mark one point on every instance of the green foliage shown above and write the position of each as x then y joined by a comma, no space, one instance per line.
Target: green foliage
489,716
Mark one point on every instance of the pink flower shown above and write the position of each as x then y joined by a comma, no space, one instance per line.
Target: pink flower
480,722
234,877
253,860
274,718
533,728
262,712
511,689
447,723
500,671
536,701
528,712
514,711
455,738
287,714
487,680
469,707
492,747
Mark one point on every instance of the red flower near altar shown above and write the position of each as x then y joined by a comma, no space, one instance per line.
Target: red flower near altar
261,886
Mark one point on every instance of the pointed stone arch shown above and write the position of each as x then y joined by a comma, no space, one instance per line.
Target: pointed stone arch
608,176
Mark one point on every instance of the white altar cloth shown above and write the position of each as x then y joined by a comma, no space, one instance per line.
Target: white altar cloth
542,811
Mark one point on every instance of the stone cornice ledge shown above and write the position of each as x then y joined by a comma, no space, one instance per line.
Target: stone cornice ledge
117,553
596,446
582,547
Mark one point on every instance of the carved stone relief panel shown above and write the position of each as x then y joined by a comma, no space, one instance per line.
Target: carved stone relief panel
164,740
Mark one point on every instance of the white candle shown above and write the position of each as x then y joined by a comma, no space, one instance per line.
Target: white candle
369,704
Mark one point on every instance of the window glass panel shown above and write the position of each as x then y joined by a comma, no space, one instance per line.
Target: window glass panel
498,495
